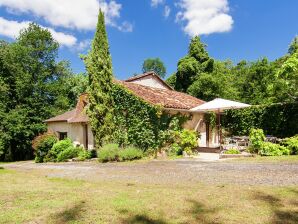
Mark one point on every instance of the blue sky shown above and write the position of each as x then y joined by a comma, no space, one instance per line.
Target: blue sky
139,29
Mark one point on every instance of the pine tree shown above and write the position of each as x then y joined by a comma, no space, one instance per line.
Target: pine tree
293,48
99,67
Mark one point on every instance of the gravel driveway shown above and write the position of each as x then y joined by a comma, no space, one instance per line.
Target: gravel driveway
181,171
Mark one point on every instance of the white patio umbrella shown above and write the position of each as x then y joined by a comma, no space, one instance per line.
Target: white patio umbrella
219,105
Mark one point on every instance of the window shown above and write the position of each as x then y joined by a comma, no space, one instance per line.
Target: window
62,135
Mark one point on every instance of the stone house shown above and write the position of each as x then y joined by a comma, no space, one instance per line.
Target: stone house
151,88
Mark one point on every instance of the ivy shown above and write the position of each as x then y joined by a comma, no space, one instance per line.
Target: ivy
210,118
139,123
279,120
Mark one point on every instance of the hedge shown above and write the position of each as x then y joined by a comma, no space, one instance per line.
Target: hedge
280,120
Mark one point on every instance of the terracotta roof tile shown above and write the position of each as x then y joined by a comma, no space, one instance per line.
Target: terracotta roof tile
62,117
164,97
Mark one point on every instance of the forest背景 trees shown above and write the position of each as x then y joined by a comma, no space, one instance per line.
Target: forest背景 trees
156,65
257,82
99,67
33,87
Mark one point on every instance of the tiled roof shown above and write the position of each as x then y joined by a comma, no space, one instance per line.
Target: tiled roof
164,97
169,99
76,115
62,117
80,114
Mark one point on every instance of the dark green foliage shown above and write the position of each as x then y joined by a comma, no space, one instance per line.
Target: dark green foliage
42,144
232,151
139,123
171,81
33,88
259,82
279,120
156,65
130,153
99,67
291,144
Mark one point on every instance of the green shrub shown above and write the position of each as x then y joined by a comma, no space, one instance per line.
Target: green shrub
68,153
130,153
232,151
176,149
42,144
271,149
84,154
291,144
108,153
256,137
58,148
187,140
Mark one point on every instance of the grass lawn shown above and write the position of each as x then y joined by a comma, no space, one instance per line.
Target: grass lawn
269,159
31,197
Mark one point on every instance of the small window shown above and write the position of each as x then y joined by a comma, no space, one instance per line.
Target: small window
62,135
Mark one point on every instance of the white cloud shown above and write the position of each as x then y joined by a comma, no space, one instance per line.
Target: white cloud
155,3
125,27
167,11
11,29
83,45
75,14
204,16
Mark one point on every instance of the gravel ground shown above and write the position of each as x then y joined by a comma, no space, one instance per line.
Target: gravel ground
181,171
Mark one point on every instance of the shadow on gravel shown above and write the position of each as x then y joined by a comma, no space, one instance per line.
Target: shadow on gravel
71,214
281,214
202,214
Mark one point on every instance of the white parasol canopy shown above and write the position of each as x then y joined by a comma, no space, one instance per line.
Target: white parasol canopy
219,105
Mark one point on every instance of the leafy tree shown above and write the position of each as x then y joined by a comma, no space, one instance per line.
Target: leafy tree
99,67
218,83
287,84
258,83
156,65
293,46
171,80
32,83
191,66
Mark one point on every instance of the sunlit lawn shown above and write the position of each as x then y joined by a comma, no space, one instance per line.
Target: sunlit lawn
269,159
31,197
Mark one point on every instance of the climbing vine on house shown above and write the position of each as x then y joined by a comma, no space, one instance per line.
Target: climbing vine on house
276,119
138,122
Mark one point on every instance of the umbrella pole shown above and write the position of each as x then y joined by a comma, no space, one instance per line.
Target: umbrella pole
219,130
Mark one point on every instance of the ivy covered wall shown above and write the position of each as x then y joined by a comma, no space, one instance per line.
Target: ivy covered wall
138,122
280,120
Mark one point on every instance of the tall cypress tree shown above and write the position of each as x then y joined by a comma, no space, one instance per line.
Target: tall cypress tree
99,67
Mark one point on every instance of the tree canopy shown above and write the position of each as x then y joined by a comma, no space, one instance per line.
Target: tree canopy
156,65
258,82
34,87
